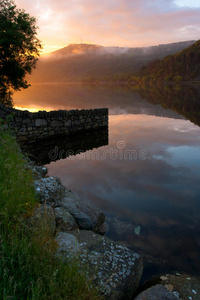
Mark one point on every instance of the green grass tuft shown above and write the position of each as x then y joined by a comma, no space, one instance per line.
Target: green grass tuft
28,267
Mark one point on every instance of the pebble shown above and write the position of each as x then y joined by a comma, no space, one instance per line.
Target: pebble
169,287
194,292
163,278
176,294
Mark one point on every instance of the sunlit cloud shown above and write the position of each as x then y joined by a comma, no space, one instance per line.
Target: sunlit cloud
114,23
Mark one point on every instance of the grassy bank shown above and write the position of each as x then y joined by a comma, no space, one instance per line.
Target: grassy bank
28,268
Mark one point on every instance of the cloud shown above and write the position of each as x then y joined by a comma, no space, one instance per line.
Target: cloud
113,23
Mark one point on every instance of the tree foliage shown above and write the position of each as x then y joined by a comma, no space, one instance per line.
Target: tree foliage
19,48
184,65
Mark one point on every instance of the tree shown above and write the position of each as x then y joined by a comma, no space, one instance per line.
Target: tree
19,49
178,78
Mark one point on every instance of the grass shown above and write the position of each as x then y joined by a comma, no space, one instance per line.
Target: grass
28,267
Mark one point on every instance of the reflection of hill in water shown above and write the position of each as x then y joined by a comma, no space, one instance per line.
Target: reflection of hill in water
119,100
183,100
55,149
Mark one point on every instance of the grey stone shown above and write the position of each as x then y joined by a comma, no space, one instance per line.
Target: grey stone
77,122
103,228
64,220
23,133
113,269
86,215
22,129
40,122
43,219
22,138
122,227
56,123
39,171
26,121
157,292
49,190
18,120
67,245
188,287
89,120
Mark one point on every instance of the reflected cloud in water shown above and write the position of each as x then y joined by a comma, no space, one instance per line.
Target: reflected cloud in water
159,190
160,193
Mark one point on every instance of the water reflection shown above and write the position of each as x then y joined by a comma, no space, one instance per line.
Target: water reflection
181,99
48,150
158,192
63,96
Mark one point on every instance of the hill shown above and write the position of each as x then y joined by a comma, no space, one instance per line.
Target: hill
83,61
182,66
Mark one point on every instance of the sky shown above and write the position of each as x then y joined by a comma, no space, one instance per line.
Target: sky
124,23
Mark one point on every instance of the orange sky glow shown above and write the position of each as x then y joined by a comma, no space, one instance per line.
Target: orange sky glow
125,23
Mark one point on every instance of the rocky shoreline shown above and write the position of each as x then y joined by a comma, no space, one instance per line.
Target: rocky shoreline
78,228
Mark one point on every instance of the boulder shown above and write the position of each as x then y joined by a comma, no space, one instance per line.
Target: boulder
86,215
186,286
157,292
49,190
43,219
39,172
64,220
113,269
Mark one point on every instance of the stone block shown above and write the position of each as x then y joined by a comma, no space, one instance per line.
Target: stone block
40,122
56,123
26,121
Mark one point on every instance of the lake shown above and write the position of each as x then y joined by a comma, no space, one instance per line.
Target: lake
144,172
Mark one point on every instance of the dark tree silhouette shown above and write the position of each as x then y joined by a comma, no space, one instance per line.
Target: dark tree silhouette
19,49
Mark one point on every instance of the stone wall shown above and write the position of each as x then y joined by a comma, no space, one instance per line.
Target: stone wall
49,150
33,126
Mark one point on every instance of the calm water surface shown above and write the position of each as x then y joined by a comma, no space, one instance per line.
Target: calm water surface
146,179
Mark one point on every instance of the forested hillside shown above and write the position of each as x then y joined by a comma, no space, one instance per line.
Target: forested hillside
86,62
182,66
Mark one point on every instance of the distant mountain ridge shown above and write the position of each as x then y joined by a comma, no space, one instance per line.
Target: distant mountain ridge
73,49
182,66
79,61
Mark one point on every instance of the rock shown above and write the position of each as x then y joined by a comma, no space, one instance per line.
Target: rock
22,138
188,287
86,215
68,245
113,269
157,292
103,228
39,172
49,190
121,227
64,220
43,218
40,122
56,123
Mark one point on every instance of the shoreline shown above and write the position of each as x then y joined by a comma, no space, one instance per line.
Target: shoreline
170,282
97,252
118,83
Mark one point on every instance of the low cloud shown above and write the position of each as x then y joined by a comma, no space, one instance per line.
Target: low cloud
113,23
